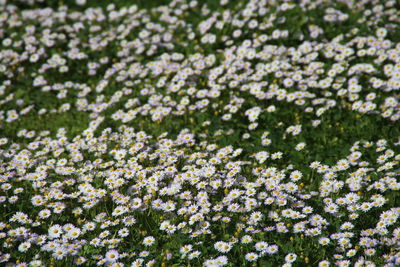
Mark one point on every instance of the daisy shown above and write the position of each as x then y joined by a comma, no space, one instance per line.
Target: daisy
55,231
112,256
291,257
251,256
148,241
272,249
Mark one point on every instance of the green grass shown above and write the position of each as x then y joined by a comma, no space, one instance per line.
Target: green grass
341,131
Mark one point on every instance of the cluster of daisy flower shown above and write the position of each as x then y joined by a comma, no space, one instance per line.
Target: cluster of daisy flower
123,192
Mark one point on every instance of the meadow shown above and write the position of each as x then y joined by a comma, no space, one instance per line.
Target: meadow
199,133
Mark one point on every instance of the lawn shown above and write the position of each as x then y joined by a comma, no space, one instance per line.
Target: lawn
199,133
